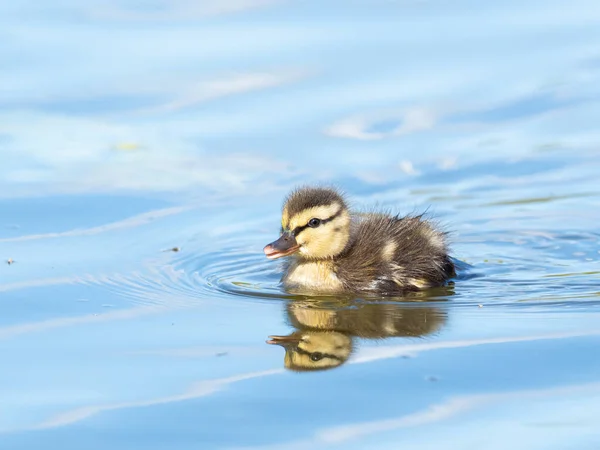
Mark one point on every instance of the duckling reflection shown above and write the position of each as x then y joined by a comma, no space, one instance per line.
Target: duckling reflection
325,333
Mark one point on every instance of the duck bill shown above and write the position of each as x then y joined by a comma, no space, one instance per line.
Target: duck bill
284,246
284,341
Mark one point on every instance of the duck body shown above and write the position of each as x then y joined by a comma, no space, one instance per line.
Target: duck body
334,251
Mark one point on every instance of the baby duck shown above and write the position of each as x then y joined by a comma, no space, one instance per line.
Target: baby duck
335,251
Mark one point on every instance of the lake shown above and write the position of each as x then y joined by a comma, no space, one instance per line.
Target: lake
146,148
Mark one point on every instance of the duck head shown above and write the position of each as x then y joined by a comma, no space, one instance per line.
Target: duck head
315,224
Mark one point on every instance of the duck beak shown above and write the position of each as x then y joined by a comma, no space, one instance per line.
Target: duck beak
284,341
284,246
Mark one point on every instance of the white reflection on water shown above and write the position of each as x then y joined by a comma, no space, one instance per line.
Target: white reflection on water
173,9
377,353
200,389
134,221
50,324
226,86
404,122
208,387
353,435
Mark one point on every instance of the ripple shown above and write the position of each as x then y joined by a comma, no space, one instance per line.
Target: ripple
198,276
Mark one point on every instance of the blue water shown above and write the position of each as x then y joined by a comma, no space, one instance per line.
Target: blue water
132,128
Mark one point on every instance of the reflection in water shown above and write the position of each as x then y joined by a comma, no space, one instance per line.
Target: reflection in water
325,331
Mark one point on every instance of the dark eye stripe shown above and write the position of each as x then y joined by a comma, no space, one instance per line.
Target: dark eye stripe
325,355
296,231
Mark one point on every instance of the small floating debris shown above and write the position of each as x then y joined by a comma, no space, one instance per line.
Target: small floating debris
10,261
432,378
218,355
173,249
481,306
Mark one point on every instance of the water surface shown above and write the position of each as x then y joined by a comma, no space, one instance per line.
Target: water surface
129,129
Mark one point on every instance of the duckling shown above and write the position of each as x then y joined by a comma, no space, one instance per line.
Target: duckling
336,251
324,336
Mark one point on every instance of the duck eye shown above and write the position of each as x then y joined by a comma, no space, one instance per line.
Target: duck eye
314,223
316,356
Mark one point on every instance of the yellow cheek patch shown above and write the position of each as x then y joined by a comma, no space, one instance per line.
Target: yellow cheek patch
325,241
